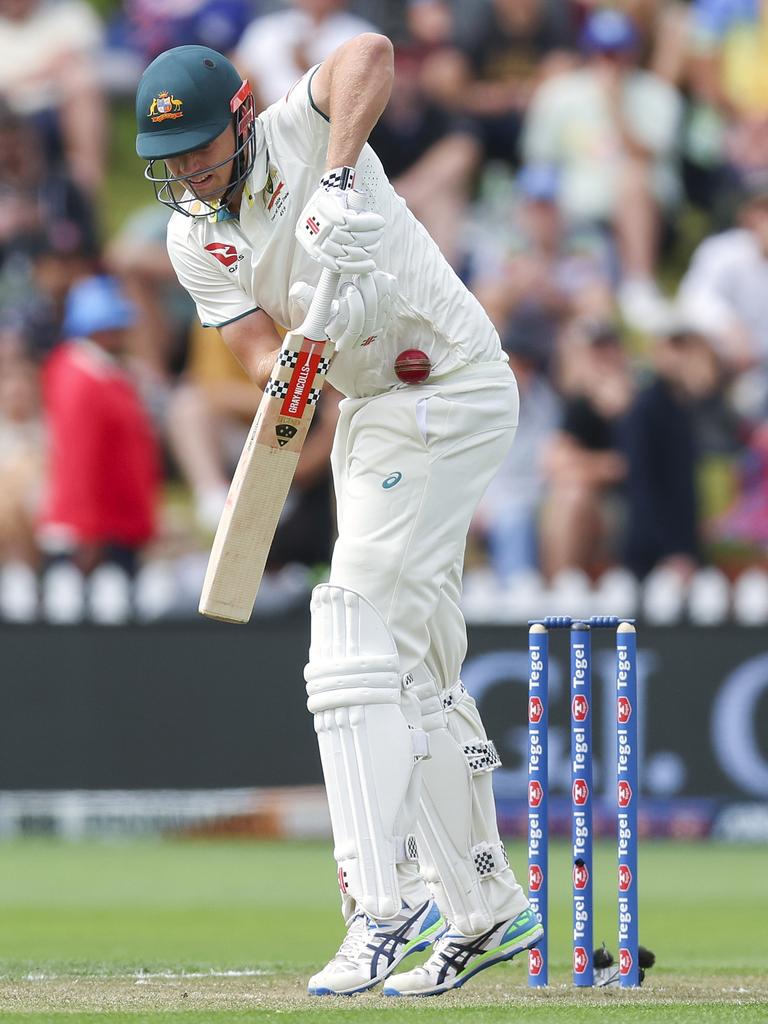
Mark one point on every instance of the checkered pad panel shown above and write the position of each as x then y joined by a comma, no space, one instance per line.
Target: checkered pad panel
276,388
288,359
322,367
484,863
481,756
313,396
489,859
406,848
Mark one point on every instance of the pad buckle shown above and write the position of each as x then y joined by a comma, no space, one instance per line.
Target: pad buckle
420,744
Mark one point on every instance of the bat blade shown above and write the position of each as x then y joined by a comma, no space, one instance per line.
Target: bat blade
268,461
263,478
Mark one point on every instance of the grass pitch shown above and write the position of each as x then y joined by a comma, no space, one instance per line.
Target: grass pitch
160,932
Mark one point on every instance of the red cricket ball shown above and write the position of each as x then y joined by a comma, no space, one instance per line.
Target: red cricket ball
413,366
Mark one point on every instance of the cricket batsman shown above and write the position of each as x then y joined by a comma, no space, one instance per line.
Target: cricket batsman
261,205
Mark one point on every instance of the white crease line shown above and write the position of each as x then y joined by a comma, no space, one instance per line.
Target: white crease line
143,975
147,975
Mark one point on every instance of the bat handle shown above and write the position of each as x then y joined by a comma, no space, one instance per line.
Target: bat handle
319,310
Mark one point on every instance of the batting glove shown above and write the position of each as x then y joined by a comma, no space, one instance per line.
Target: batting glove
361,310
339,238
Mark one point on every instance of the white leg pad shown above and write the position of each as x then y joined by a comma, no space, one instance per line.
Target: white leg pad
367,748
461,855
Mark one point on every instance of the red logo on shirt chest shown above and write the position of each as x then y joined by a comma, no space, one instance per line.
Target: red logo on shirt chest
226,254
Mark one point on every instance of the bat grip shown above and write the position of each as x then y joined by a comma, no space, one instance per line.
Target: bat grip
320,307
319,310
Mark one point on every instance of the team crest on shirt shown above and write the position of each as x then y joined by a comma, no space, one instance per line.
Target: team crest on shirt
275,194
165,107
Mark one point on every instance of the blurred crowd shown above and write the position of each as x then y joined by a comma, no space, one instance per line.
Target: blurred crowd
597,173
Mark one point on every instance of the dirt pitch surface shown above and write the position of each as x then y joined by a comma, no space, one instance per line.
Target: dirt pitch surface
282,993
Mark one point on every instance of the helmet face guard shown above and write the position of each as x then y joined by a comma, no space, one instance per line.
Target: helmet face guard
178,194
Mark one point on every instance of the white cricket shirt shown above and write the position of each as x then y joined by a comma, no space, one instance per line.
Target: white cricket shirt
232,266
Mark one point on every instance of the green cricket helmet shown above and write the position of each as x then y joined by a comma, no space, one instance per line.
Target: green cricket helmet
185,99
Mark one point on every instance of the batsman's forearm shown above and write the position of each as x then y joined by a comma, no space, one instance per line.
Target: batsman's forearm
360,84
254,341
261,367
257,364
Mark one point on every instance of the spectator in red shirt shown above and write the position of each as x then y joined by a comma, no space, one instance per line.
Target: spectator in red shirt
104,465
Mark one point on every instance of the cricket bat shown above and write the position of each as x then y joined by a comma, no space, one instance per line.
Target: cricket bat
267,464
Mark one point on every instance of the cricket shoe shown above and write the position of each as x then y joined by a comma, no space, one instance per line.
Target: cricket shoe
456,958
373,949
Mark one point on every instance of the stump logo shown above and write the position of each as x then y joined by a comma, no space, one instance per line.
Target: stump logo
580,708
580,792
535,794
535,962
535,710
580,876
625,794
623,710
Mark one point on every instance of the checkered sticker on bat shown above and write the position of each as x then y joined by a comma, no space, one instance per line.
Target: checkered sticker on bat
276,388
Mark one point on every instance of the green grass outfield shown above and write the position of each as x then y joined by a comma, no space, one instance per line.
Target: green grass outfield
206,932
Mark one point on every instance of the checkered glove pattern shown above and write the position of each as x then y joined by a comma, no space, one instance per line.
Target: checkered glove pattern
341,178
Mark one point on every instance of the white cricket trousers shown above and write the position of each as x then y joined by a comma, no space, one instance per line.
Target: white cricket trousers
410,467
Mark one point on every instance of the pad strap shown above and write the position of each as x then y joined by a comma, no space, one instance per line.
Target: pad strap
490,859
481,756
421,683
453,696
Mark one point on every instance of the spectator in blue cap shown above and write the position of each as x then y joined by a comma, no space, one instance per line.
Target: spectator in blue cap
608,30
103,467
98,305
613,131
